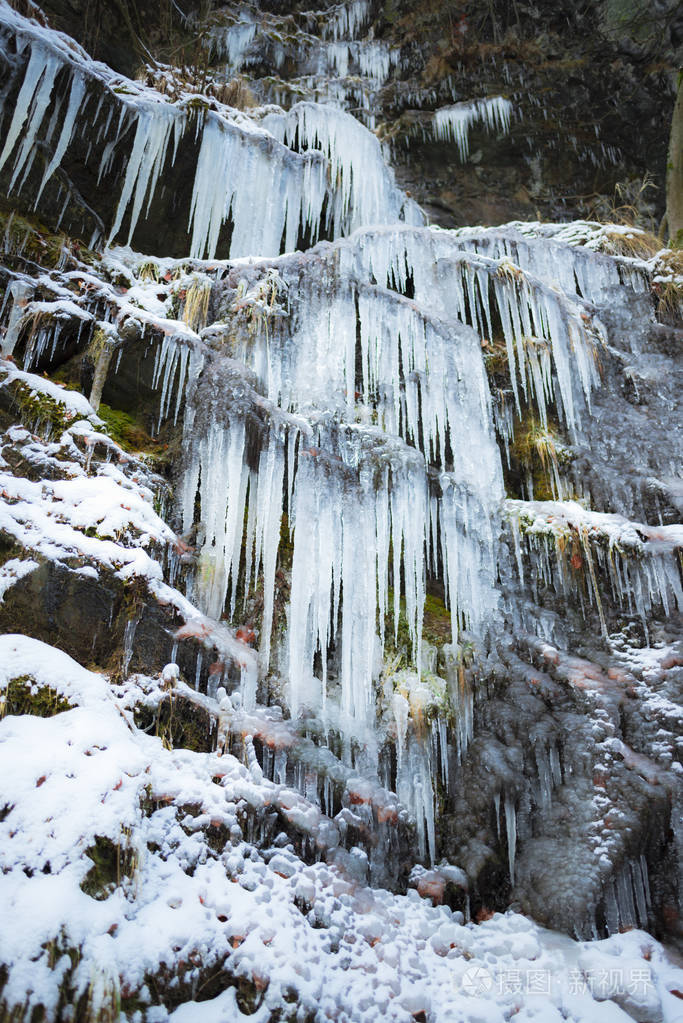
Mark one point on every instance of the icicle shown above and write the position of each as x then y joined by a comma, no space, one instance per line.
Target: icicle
268,523
639,890
511,830
326,562
611,908
544,777
366,192
453,123
150,146
624,889
346,19
443,750
128,640
76,97
21,293
401,709
30,107
235,171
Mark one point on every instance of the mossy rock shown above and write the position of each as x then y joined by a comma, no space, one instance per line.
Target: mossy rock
126,430
40,413
24,239
9,548
23,695
180,722
111,864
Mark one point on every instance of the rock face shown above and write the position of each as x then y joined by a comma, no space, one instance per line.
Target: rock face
348,546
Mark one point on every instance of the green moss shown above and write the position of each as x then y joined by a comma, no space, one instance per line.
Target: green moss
40,413
126,431
536,453
436,628
198,103
24,238
23,695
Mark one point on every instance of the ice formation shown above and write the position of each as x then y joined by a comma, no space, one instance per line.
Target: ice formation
288,191
453,123
375,641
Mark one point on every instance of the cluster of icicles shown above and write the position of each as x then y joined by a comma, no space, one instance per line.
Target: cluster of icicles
309,171
401,470
357,420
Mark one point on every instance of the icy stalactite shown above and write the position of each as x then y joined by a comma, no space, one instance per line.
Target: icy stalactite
75,104
286,190
372,59
630,565
462,699
366,192
419,377
453,123
29,111
401,709
347,555
469,287
415,790
267,522
241,510
175,365
219,468
231,42
346,20
21,292
468,555
153,129
128,641
626,897
511,833
545,776
577,270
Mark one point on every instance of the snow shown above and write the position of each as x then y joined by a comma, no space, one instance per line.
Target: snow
87,772
14,570
75,404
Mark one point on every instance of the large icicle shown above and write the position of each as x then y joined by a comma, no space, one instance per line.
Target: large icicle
239,175
366,192
31,105
152,134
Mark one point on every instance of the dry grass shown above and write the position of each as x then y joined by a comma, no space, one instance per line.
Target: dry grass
637,243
